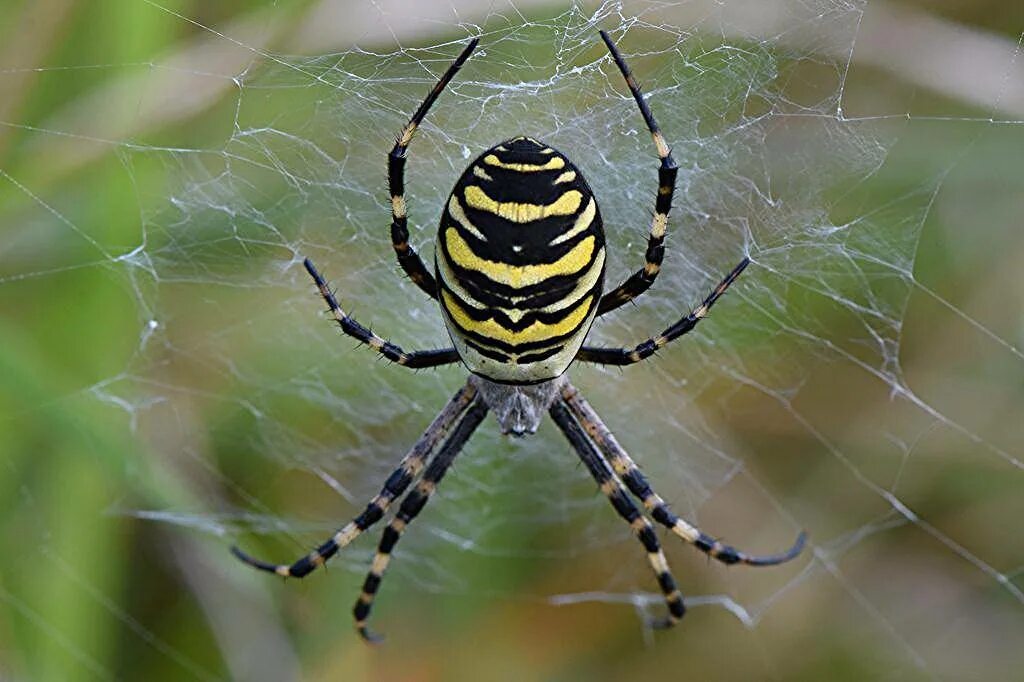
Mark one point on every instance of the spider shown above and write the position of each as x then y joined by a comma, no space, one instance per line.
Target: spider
519,276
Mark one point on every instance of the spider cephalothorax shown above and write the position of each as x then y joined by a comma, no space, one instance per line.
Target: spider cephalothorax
519,275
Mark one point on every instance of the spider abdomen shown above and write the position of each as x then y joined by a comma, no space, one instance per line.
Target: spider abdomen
520,262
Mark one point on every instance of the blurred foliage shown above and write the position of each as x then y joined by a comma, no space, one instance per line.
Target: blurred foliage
87,591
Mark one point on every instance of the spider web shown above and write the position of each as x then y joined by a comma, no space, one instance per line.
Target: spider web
826,392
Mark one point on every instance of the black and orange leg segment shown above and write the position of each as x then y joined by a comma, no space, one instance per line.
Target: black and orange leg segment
414,359
626,469
411,506
397,483
410,261
642,279
629,356
619,498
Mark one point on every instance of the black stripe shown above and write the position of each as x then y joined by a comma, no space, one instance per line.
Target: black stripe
489,352
636,482
520,151
412,505
622,504
519,348
662,515
537,357
490,293
372,514
388,539
503,319
648,538
535,249
507,359
371,583
485,290
666,180
303,567
533,238
396,172
531,187
397,481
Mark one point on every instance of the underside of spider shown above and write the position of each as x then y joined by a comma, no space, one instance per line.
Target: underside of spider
519,276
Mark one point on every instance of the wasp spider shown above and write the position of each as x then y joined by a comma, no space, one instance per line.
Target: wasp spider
519,275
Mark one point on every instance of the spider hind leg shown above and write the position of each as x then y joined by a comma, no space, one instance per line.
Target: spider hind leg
411,506
616,494
630,473
393,488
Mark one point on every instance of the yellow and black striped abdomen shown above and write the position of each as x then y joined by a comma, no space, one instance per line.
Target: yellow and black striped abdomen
520,262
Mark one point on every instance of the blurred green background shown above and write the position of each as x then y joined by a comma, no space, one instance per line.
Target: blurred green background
167,389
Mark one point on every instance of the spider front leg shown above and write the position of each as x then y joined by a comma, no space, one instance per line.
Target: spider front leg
396,484
612,488
642,279
410,261
411,506
415,359
629,356
630,474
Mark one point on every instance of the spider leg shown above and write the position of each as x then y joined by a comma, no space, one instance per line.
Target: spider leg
407,256
617,495
629,356
414,359
409,509
630,474
396,484
642,279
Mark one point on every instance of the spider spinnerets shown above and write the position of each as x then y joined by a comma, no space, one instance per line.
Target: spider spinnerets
519,276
